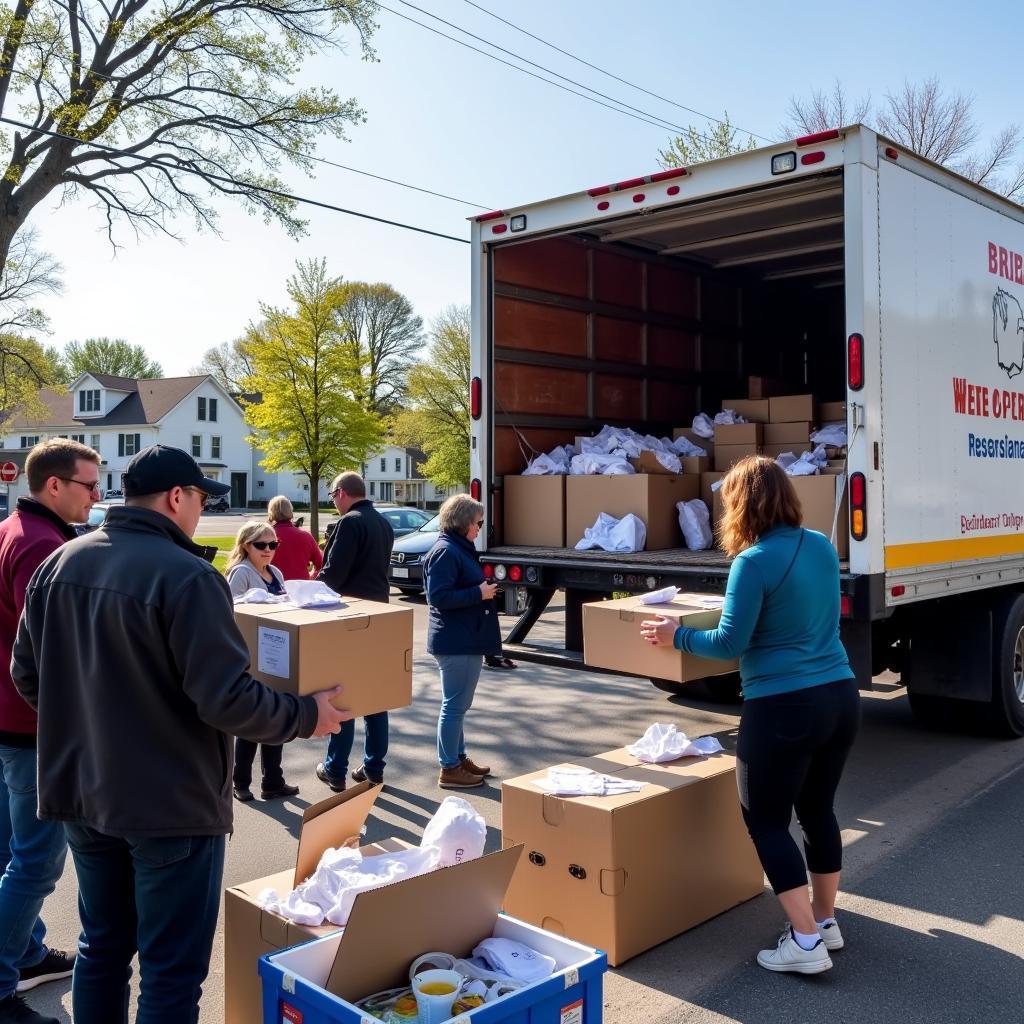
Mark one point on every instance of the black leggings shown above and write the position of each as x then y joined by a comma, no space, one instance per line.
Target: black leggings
791,752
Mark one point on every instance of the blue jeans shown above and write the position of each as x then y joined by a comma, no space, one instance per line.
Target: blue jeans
157,897
32,856
375,747
459,676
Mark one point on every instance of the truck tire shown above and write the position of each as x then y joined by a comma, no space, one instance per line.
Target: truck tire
1004,714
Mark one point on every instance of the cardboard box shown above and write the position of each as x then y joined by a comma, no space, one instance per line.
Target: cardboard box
766,387
250,931
707,443
647,462
727,455
451,909
534,511
706,480
649,496
753,409
818,498
695,463
791,408
787,433
773,451
611,638
832,412
738,433
627,872
364,645
835,466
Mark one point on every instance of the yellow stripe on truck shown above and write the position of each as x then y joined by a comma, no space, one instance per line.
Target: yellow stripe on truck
965,549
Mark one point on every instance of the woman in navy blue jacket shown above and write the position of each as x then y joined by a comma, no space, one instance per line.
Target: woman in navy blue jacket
463,627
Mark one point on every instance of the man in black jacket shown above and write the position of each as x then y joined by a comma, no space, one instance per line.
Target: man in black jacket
129,651
356,565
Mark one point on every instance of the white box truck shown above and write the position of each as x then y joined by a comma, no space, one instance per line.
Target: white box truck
841,265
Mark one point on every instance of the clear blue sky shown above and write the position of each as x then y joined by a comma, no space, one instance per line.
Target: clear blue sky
448,119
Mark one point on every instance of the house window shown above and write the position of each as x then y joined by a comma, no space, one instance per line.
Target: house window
213,410
29,441
80,438
94,442
259,483
128,444
89,401
373,488
201,408
197,446
398,465
383,465
214,447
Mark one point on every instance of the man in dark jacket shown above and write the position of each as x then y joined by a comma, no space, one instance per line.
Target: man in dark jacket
63,481
129,651
356,565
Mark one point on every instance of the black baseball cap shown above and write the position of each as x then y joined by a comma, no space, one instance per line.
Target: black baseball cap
160,467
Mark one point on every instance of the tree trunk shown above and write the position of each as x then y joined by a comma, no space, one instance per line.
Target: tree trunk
314,502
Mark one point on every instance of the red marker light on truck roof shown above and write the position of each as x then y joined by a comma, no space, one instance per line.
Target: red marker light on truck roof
672,172
811,140
855,362
493,215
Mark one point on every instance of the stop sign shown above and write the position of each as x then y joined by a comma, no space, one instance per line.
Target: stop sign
9,473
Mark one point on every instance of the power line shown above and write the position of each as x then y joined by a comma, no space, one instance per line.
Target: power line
300,153
609,74
642,116
291,197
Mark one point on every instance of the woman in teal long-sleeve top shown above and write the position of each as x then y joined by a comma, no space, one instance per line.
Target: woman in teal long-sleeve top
801,706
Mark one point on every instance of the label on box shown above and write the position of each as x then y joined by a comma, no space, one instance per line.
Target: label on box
289,1015
272,651
572,1014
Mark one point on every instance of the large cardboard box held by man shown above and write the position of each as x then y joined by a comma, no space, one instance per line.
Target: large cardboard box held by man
250,931
611,638
366,646
649,496
627,872
534,511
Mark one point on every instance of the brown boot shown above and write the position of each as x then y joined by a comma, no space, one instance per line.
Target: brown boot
458,778
471,766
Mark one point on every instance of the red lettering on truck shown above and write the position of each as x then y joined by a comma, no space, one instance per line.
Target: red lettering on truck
1005,263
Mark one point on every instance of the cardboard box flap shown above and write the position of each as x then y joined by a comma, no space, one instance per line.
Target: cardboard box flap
329,823
450,909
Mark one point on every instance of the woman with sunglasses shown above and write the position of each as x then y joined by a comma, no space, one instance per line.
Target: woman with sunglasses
249,568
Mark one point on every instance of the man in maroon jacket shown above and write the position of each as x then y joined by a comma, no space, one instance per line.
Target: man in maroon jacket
63,479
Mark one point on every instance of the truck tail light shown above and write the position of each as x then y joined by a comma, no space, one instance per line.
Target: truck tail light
515,573
855,362
858,507
475,489
474,398
845,605
488,571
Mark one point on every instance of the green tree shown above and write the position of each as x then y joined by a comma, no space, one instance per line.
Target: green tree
109,355
25,368
437,419
309,416
154,107
696,147
384,333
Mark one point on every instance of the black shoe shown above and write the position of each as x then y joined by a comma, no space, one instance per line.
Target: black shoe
278,791
338,785
14,1010
360,775
242,794
55,965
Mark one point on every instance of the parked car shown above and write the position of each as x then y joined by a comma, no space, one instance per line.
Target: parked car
404,520
406,569
97,514
218,504
113,493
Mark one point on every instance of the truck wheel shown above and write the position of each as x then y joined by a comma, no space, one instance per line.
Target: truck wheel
1004,714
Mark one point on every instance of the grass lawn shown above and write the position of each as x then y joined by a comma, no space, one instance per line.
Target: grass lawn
223,546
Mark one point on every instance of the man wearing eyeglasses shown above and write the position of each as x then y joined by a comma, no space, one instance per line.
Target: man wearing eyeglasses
356,564
63,481
129,650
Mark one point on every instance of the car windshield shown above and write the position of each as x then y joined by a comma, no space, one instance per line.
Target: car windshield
97,514
431,525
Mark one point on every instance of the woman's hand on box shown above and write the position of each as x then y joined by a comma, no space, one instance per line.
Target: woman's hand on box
328,717
658,631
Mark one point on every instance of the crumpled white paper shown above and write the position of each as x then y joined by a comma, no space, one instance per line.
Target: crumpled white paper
703,425
547,465
685,447
661,743
594,464
808,464
611,534
832,434
312,594
571,781
662,596
257,595
727,416
695,522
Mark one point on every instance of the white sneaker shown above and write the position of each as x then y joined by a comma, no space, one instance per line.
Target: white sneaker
831,935
789,955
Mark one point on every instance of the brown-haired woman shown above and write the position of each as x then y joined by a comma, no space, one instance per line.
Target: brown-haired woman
801,706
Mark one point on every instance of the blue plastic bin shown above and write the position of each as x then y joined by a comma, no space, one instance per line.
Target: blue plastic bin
293,979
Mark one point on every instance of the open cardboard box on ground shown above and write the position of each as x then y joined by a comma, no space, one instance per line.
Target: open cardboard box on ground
450,910
366,646
627,872
534,511
250,931
651,497
611,638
